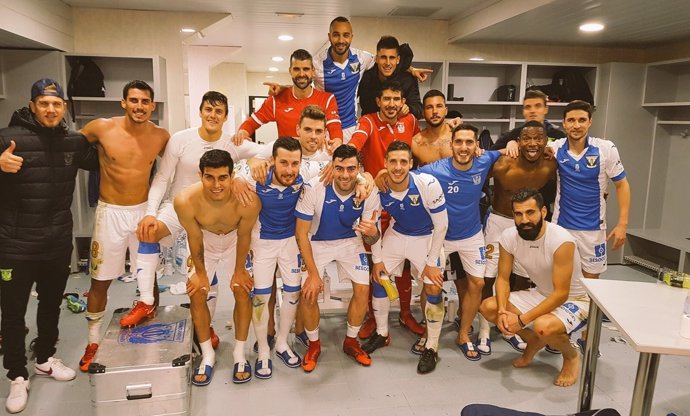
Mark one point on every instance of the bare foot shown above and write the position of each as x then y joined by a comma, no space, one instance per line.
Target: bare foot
522,361
569,372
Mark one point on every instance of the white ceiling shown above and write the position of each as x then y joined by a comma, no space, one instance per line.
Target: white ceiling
253,26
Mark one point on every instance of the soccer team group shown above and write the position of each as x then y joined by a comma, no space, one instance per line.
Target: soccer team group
377,195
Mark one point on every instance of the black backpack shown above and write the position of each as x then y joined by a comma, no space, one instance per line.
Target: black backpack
85,80
570,84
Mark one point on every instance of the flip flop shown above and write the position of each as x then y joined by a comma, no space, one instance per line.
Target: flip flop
208,372
271,339
466,348
515,342
241,368
419,346
263,365
483,346
286,356
548,348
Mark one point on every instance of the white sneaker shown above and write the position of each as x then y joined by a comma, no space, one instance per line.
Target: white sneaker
19,395
56,369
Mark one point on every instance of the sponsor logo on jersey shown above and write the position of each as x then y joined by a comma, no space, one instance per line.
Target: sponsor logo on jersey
331,71
382,127
414,200
453,182
571,307
599,253
477,179
566,160
389,204
592,161
287,110
330,201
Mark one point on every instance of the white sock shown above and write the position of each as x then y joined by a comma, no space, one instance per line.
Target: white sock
208,355
484,328
288,310
381,308
94,320
238,352
352,330
260,321
147,259
434,320
212,297
312,335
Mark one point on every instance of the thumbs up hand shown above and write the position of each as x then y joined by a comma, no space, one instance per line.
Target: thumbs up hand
9,162
368,226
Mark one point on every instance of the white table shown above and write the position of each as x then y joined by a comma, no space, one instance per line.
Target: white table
648,316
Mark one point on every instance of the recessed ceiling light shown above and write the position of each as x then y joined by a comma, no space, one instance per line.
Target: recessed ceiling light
269,76
476,58
285,37
187,30
289,15
273,69
277,59
591,27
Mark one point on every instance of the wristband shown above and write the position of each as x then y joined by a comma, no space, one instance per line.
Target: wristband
522,324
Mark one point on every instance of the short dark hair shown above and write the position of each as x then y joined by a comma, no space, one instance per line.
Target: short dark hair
215,158
214,98
533,123
136,84
301,55
339,19
525,194
466,126
433,93
387,42
398,145
536,94
344,151
288,143
578,105
391,85
313,112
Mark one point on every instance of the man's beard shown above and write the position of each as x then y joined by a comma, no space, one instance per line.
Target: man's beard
531,233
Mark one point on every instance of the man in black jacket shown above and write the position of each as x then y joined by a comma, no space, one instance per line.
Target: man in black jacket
388,67
39,161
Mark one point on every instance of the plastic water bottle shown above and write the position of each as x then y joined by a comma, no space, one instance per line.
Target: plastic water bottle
180,253
391,291
168,261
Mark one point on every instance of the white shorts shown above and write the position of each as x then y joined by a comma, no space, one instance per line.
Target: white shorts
268,253
347,133
396,248
573,313
495,226
219,255
349,255
592,248
168,216
114,230
471,251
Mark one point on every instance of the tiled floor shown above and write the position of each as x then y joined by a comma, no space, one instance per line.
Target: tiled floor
390,386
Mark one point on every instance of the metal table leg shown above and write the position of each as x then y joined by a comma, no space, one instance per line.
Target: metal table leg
589,361
645,381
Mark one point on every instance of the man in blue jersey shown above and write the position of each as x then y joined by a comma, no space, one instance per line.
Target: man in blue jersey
462,177
585,164
330,225
415,201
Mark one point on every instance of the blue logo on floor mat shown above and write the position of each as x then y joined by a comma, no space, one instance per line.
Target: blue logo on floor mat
154,333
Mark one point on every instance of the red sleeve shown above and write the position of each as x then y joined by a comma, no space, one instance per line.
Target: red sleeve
335,129
415,127
264,115
361,135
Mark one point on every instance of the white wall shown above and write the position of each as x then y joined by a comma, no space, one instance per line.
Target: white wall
46,21
142,33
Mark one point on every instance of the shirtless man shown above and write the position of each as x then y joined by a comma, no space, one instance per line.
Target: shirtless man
529,169
218,231
128,146
433,143
558,305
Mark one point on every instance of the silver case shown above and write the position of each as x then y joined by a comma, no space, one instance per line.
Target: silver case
144,370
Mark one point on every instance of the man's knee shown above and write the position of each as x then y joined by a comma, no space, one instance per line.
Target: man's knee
360,292
99,287
488,308
475,284
548,325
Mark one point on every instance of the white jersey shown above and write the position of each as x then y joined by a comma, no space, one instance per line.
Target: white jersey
536,257
179,165
582,183
333,216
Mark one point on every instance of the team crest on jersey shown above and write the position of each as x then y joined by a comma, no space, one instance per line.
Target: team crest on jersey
592,161
414,200
477,179
354,66
356,204
296,188
401,128
69,158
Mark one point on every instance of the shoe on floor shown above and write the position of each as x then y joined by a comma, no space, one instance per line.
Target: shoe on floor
548,348
352,348
311,356
581,344
271,339
302,338
89,353
408,321
427,361
139,313
375,342
419,346
55,368
18,396
483,345
516,342
367,328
